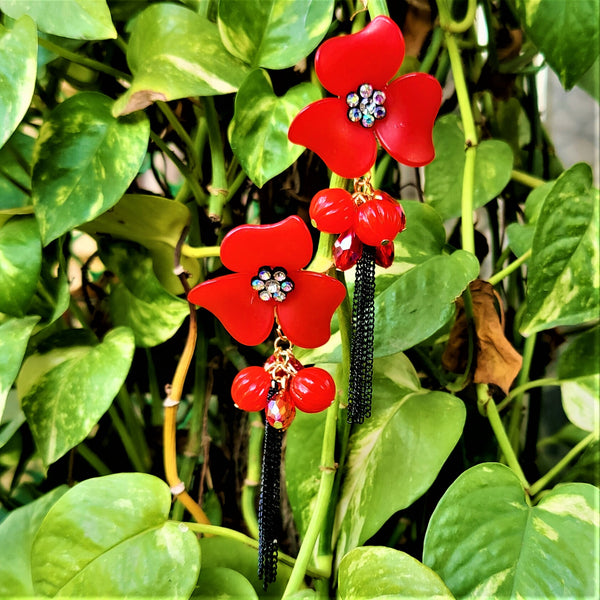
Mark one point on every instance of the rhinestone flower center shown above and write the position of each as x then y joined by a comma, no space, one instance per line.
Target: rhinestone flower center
366,105
272,283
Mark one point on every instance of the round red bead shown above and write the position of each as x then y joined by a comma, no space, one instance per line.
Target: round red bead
332,210
250,388
379,220
312,390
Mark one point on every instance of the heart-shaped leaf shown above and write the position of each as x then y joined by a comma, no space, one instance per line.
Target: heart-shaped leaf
563,286
18,68
486,541
406,313
154,222
20,528
274,34
77,19
258,133
381,457
444,175
84,160
579,373
66,390
20,263
398,575
14,335
570,49
138,300
173,52
111,537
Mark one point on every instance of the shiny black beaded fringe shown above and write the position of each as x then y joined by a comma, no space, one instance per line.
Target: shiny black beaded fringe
269,517
360,387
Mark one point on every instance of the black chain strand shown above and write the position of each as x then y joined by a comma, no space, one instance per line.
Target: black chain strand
269,504
360,387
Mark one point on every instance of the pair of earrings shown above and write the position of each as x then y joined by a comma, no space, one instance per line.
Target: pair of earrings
267,281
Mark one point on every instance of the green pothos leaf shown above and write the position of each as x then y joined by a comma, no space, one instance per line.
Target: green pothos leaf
486,541
564,270
84,160
111,537
258,132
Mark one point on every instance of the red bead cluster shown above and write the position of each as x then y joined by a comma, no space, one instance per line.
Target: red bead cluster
367,216
309,389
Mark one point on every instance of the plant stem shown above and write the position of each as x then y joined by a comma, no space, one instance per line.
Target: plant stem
491,411
126,440
526,179
255,443
328,470
465,23
84,61
516,416
541,483
218,185
378,7
496,278
93,459
527,386
211,530
179,130
169,427
183,169
200,252
466,113
432,52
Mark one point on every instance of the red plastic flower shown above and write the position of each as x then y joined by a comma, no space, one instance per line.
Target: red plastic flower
268,281
344,131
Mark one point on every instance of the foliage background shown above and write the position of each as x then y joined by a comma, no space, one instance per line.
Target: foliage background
136,134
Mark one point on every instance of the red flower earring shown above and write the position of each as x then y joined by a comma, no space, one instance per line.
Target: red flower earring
370,106
357,68
268,285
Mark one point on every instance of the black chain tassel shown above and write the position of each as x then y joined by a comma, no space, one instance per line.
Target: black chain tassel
269,517
360,387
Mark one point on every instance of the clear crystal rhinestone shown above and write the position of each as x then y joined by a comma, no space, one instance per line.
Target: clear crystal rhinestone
287,286
258,284
264,273
279,274
367,121
279,296
354,114
352,99
379,112
264,295
272,286
365,90
378,97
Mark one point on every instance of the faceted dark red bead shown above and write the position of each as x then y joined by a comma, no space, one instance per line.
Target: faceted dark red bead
347,249
384,255
281,410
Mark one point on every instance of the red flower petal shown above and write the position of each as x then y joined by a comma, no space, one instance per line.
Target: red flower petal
285,244
233,301
305,315
347,148
412,104
373,55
